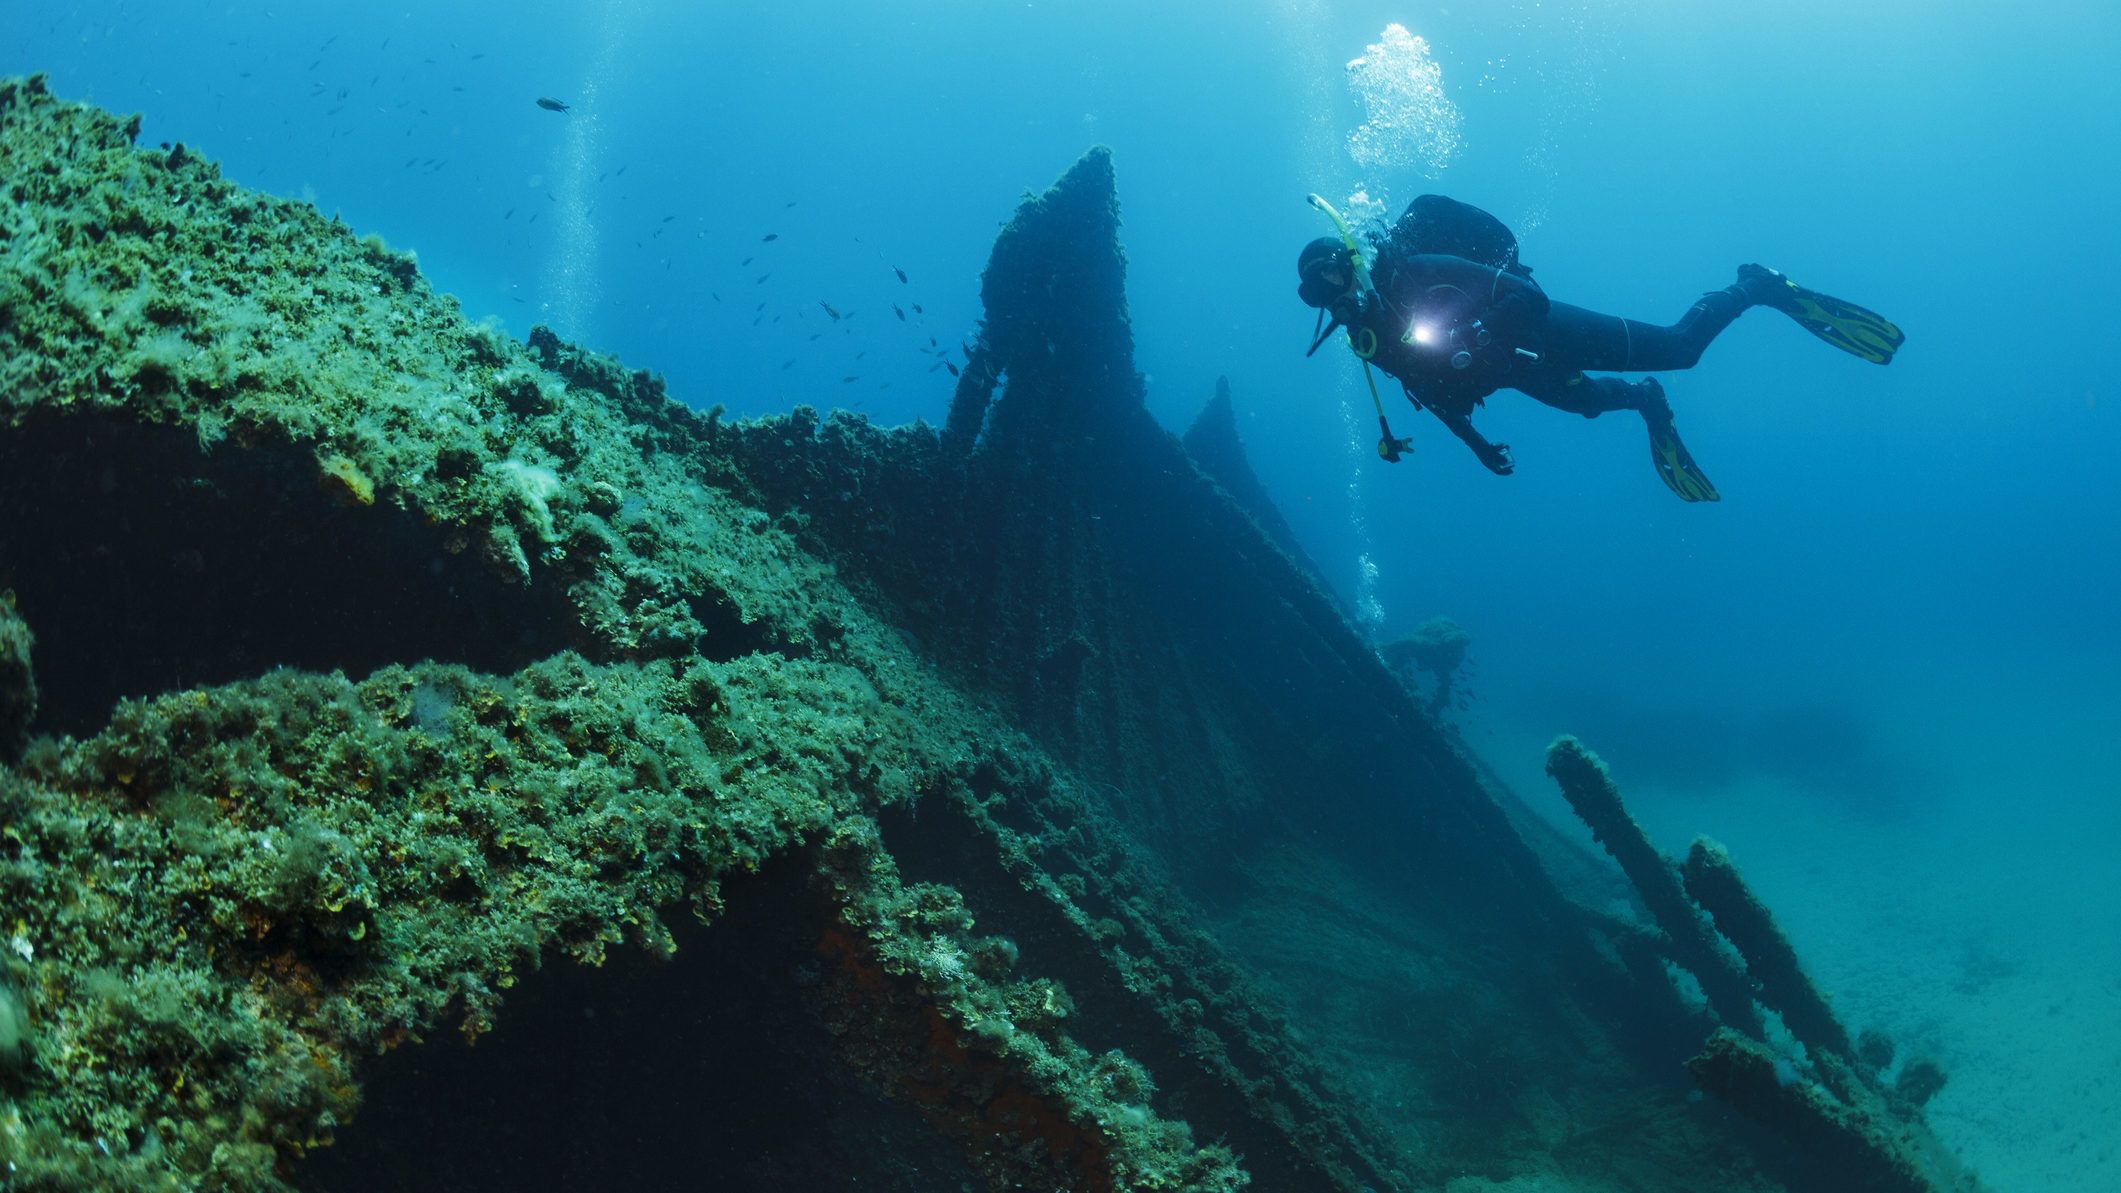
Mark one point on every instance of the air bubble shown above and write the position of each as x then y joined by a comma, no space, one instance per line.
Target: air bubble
1410,123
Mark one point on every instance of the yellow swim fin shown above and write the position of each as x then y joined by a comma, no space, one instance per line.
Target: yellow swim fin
1675,465
1855,330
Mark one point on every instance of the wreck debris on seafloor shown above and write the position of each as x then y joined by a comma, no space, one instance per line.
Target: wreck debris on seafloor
1835,1108
395,680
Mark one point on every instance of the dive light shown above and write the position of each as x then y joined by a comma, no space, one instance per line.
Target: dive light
1462,340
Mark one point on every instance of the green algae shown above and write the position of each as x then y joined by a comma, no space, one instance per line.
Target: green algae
252,887
225,901
18,683
140,284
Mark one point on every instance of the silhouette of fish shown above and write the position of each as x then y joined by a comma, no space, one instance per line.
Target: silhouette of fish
550,104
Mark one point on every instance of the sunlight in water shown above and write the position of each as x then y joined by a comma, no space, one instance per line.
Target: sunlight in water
571,281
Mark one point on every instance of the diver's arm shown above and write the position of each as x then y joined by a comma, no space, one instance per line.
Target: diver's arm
1495,456
1520,307
1511,305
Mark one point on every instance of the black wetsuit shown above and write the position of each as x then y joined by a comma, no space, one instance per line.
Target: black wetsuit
1433,294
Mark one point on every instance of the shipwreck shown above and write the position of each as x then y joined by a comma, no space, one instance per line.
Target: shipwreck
433,760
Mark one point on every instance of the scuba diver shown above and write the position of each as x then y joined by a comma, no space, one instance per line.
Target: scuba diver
1450,312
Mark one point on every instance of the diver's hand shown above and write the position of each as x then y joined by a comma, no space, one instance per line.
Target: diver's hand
1495,456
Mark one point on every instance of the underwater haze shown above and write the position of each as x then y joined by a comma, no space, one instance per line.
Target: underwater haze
1885,669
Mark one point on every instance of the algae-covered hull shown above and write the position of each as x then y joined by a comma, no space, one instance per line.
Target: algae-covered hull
782,801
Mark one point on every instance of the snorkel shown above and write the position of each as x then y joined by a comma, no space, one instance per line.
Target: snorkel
1362,339
1358,265
1347,237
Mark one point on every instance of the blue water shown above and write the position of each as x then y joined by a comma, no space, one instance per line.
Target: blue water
1886,667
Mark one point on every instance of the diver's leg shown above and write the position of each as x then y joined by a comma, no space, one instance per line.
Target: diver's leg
1569,389
1590,340
1593,396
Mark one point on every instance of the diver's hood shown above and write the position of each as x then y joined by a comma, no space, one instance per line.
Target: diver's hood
1327,254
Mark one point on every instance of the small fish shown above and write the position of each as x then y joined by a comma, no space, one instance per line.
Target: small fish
668,218
917,309
785,206
746,261
850,377
951,367
937,365
715,296
901,314
787,364
511,214
770,237
931,339
550,104
828,310
762,279
901,274
814,335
